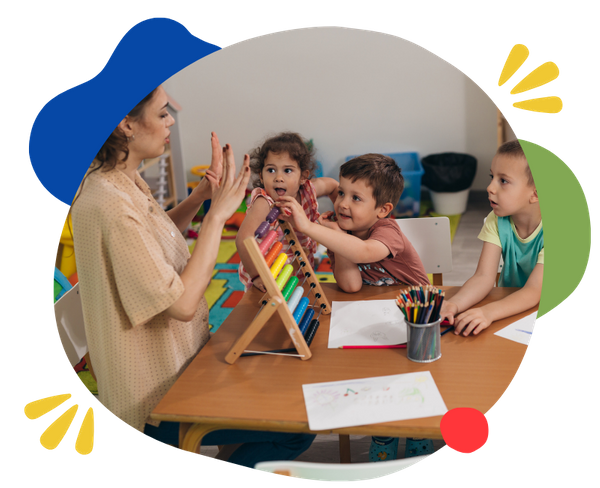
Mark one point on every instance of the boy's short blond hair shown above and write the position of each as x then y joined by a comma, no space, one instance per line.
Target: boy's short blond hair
379,172
514,149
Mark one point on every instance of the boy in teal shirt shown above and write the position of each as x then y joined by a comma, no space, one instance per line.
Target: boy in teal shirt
513,230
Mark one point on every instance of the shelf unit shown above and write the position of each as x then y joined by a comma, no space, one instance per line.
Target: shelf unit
164,187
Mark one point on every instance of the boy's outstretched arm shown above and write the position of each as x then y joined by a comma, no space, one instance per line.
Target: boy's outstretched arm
350,247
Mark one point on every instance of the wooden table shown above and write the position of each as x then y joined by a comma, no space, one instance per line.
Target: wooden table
265,392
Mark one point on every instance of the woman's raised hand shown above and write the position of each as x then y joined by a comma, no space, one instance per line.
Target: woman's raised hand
216,160
203,191
228,191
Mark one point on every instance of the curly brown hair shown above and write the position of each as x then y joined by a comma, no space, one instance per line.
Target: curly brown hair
298,149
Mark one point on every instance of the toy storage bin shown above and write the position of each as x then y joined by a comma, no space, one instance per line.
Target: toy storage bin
412,170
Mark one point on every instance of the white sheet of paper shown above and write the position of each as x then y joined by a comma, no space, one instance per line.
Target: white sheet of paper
519,331
372,400
366,323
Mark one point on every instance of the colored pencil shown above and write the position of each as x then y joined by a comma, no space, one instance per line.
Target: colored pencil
392,346
429,310
447,330
420,304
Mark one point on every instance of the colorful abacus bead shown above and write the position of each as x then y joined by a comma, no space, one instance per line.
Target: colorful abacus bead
306,320
311,331
285,274
273,253
267,241
278,264
295,298
262,230
273,214
289,287
300,309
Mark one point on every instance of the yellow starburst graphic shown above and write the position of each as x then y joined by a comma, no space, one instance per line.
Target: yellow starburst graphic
54,434
540,76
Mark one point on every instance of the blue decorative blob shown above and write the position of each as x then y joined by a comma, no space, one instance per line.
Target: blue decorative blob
71,128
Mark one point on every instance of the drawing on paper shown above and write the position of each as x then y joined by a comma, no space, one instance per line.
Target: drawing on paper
367,322
379,337
325,398
384,395
372,400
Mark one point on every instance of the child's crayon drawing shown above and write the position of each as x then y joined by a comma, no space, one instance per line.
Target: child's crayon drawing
366,323
381,399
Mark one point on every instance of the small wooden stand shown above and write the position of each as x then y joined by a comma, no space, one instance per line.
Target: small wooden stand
274,298
166,193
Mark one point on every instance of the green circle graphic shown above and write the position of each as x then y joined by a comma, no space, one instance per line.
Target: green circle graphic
567,231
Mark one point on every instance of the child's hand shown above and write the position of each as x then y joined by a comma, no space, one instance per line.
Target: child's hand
448,311
292,211
473,320
259,284
326,221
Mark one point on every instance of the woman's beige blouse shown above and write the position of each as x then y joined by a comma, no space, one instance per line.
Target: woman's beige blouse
129,257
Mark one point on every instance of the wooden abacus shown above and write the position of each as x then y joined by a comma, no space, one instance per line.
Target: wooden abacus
291,306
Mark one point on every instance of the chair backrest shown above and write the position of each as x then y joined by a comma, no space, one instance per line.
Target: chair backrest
430,236
69,319
337,472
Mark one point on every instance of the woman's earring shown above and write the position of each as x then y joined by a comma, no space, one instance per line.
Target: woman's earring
132,138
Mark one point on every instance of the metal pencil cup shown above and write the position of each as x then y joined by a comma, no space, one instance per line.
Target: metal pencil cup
424,342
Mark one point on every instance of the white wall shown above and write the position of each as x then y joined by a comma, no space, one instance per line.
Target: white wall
351,91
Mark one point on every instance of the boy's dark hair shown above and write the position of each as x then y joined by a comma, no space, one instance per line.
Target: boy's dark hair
379,172
514,149
298,149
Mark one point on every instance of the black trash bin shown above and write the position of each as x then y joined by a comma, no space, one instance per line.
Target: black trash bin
449,177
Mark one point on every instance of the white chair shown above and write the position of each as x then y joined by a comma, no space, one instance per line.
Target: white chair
430,237
337,472
69,320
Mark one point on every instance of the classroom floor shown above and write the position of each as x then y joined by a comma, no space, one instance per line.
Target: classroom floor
465,255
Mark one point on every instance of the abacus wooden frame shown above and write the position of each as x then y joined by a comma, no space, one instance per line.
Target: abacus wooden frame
275,300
